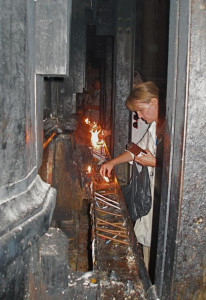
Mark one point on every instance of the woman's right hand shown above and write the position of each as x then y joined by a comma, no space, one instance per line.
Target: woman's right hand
106,169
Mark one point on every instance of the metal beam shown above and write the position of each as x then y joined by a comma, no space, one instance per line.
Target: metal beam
180,257
108,86
26,202
78,45
53,36
105,21
123,70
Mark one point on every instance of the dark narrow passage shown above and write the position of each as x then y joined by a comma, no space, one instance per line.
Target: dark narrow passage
68,175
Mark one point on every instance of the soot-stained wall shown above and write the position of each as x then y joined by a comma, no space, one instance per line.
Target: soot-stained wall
26,202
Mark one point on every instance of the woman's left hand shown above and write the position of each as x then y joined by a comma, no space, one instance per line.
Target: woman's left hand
146,159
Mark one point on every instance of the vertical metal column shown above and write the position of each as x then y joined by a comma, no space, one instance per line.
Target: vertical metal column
181,245
123,69
149,41
54,96
108,86
65,95
26,202
78,44
154,41
53,37
75,83
138,34
102,94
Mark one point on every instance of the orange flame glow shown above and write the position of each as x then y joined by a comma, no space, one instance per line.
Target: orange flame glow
101,142
87,121
48,140
94,137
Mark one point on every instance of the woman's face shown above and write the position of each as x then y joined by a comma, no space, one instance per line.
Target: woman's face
148,111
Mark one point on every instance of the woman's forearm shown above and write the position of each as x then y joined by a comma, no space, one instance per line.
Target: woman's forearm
106,168
122,158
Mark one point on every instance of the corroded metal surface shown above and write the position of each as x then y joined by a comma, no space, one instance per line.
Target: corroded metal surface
53,18
123,62
181,254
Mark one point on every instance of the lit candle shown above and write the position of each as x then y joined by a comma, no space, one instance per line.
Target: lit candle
106,178
87,121
94,137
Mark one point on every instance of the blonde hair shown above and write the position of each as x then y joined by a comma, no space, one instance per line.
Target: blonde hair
143,93
137,79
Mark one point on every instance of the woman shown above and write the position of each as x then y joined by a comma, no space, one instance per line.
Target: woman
144,101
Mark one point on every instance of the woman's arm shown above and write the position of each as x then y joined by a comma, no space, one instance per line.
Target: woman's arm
146,159
106,168
148,144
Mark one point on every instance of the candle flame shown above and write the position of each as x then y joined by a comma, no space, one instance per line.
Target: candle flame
94,137
87,121
101,142
106,178
89,169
